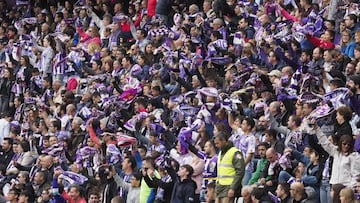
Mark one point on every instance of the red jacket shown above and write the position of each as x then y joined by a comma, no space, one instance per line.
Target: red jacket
320,43
151,8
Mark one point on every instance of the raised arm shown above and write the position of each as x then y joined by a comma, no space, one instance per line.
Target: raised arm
121,183
325,143
231,122
96,20
300,157
288,16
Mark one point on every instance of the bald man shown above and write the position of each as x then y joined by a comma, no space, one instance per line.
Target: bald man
297,191
271,171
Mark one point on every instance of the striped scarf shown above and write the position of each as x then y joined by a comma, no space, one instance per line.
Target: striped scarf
60,64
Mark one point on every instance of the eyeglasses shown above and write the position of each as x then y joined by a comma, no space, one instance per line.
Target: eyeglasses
345,144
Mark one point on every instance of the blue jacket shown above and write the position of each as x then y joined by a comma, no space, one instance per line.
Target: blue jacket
312,176
348,49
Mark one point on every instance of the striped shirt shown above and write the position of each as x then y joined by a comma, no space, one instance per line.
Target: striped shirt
60,64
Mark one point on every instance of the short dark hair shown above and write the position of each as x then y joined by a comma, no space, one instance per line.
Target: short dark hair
15,191
48,79
250,122
217,34
353,17
264,144
307,52
57,124
211,76
142,147
132,161
93,192
25,145
141,101
258,193
166,96
137,175
6,114
188,169
211,185
332,22
357,47
143,32
20,99
129,59
156,88
321,50
337,82
272,133
9,139
286,187
42,174
98,62
96,94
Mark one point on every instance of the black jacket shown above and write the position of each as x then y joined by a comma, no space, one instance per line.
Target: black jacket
5,158
342,129
273,178
184,191
110,191
8,85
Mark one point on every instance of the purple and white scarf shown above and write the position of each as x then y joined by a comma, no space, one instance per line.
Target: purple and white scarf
338,97
73,178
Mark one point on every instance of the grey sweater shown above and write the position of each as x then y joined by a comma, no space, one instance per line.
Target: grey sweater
133,195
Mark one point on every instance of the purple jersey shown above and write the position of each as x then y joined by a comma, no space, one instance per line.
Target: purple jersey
210,170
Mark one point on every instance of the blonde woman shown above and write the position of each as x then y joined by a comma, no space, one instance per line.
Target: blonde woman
347,196
347,44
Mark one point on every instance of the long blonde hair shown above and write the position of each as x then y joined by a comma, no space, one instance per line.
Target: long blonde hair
348,194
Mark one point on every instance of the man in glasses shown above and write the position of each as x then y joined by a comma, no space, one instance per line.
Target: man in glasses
300,194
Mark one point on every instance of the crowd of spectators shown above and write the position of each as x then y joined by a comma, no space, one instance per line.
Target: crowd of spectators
179,101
